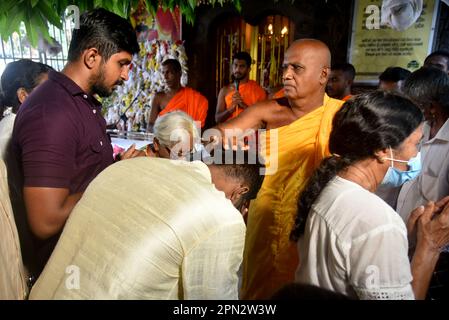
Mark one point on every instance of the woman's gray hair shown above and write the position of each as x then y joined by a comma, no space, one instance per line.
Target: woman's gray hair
175,127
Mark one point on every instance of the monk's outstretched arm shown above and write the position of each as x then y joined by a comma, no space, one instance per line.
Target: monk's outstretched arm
253,117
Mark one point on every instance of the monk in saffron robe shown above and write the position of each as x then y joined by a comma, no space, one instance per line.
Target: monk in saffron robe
177,98
189,101
295,143
242,93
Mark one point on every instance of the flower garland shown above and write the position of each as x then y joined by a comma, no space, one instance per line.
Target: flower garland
130,105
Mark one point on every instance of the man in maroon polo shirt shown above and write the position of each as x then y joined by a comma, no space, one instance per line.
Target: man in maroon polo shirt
59,139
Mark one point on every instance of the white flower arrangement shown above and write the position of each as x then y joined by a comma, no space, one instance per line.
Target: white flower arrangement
134,97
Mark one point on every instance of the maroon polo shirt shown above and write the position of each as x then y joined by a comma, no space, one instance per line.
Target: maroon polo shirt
60,136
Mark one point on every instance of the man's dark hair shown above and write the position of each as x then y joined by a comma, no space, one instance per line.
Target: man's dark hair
242,55
174,64
439,53
394,74
18,74
105,31
346,68
241,164
427,85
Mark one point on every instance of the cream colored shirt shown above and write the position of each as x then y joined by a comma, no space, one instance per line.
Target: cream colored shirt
6,126
148,228
433,182
12,273
355,244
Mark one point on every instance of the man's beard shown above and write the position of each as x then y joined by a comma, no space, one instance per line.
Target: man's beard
99,87
239,77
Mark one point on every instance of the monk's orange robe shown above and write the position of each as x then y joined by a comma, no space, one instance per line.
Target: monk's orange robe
279,94
191,102
270,258
346,98
251,93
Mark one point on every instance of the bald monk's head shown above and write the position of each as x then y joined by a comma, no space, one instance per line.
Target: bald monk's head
306,69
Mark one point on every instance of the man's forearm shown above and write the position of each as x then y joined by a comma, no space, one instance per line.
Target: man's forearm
422,265
223,116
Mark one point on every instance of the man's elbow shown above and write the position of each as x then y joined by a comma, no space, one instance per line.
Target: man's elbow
45,228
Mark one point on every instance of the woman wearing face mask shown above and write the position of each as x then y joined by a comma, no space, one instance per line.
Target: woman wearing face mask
351,241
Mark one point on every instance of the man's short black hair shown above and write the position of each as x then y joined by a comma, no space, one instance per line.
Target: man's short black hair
394,74
242,55
174,64
427,85
241,164
346,68
105,31
439,53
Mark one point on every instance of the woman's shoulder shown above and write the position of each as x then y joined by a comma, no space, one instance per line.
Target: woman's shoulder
348,207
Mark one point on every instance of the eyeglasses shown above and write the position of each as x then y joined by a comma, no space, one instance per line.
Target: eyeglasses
181,155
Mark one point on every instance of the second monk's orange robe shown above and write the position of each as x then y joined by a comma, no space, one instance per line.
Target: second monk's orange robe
189,101
251,93
279,94
346,98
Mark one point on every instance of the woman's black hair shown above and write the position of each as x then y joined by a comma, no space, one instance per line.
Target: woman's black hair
365,124
19,74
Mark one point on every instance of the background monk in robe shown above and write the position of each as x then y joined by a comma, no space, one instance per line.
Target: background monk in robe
240,94
177,97
302,122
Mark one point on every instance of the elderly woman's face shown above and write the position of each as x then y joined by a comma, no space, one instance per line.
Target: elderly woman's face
409,148
179,151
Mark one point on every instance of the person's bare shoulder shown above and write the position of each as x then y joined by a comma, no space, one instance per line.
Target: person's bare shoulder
275,113
226,89
159,95
159,98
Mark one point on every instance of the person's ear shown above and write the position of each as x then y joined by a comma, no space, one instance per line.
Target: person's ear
433,109
22,94
237,193
325,73
380,155
91,58
350,82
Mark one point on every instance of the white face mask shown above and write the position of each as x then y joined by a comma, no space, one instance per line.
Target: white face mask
395,177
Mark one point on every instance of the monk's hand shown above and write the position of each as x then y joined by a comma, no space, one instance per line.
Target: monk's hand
433,226
238,100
